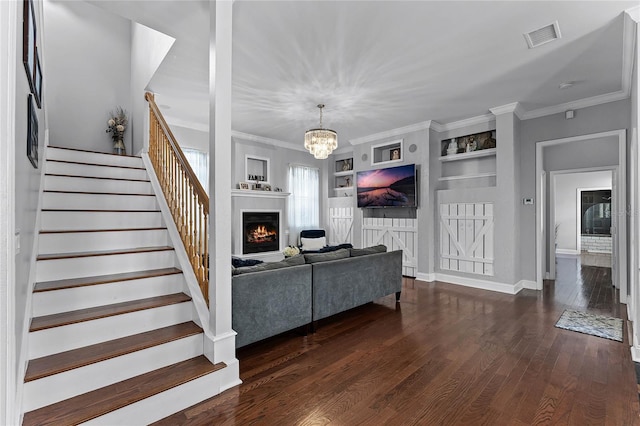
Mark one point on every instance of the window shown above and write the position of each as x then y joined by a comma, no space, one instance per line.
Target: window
199,162
304,202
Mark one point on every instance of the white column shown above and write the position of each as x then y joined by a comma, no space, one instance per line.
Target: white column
220,183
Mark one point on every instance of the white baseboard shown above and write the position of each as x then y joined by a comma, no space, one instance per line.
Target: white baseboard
567,252
635,353
531,285
420,276
481,284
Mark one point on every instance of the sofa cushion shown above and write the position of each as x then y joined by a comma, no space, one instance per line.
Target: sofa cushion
267,266
327,249
323,257
237,262
368,250
313,243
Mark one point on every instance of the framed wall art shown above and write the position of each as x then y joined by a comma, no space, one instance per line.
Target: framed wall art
29,43
32,133
37,81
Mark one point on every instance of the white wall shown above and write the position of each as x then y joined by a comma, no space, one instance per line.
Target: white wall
93,78
191,138
567,210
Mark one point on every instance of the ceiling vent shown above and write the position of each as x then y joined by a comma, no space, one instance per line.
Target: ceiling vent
543,35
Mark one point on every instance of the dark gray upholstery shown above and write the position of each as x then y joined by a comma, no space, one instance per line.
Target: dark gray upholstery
381,248
342,284
270,302
324,257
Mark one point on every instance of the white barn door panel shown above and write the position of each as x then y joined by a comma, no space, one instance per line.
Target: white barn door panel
396,234
466,238
340,225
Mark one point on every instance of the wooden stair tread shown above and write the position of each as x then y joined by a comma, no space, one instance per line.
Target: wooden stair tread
102,279
96,164
93,152
96,403
103,210
96,177
55,256
76,358
72,231
56,191
72,317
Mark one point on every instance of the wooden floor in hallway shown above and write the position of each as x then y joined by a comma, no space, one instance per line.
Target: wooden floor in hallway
446,355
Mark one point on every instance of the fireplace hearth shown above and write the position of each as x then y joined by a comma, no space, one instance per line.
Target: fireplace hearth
260,232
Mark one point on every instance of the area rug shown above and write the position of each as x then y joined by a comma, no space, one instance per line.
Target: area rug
595,325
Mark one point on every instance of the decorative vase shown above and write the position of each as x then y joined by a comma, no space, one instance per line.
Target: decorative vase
118,148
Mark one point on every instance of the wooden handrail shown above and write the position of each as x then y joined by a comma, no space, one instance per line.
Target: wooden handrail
187,199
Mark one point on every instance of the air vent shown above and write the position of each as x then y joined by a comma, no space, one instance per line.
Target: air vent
543,35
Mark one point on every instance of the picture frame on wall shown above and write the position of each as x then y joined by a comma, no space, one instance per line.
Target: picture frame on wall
29,43
38,81
32,133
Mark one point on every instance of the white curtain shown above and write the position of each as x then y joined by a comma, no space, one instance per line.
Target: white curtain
304,201
199,162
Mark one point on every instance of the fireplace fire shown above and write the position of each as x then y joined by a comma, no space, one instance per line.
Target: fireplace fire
261,231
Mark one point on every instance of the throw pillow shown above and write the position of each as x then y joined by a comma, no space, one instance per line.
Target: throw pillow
368,250
323,257
236,262
313,243
267,266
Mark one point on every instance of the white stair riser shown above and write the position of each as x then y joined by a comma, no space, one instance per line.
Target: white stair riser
61,200
83,220
164,404
60,269
58,387
59,168
90,157
73,299
94,241
73,336
80,184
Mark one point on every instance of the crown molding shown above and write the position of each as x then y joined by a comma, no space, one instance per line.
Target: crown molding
580,103
634,13
513,107
392,133
437,126
267,141
478,119
628,47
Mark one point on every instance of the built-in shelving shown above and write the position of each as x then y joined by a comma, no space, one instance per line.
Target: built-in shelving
343,177
468,155
470,176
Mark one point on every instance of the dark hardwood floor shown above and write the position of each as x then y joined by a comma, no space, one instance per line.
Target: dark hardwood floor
445,355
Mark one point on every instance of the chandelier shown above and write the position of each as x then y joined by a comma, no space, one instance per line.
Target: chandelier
320,142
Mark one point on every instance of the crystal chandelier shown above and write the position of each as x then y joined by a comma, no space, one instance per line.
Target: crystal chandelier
320,142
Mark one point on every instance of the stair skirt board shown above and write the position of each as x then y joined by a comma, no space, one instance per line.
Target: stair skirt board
51,389
165,403
83,219
63,168
48,270
54,153
73,299
74,336
82,201
74,242
83,184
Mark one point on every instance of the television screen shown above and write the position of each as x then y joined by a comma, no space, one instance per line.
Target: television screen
391,187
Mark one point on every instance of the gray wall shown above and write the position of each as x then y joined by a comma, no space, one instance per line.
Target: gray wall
600,118
27,182
84,85
191,138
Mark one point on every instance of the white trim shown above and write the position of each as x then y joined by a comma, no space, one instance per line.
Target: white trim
268,141
248,157
628,47
513,107
258,194
472,121
467,155
565,253
461,177
382,146
621,201
421,276
577,104
481,284
9,401
531,285
634,13
423,125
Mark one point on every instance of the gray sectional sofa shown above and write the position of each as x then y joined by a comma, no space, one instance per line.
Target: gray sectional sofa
272,299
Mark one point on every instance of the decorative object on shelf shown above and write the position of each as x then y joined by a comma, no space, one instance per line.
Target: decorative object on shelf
291,251
257,186
32,133
276,189
243,185
347,182
266,187
320,142
453,147
486,140
117,124
395,154
472,145
346,164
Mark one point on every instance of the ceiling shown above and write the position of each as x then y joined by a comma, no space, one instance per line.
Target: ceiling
381,65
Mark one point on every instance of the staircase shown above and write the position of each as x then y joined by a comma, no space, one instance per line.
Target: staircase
112,339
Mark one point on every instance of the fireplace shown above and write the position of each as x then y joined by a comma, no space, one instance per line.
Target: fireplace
260,232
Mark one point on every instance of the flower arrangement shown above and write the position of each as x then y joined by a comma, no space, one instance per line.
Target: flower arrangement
117,124
291,251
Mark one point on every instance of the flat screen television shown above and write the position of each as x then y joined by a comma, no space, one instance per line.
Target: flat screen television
390,187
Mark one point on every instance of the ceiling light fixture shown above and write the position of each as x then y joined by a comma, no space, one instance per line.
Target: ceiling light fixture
320,142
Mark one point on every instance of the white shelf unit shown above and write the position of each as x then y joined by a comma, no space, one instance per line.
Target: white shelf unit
461,177
468,155
343,181
387,152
